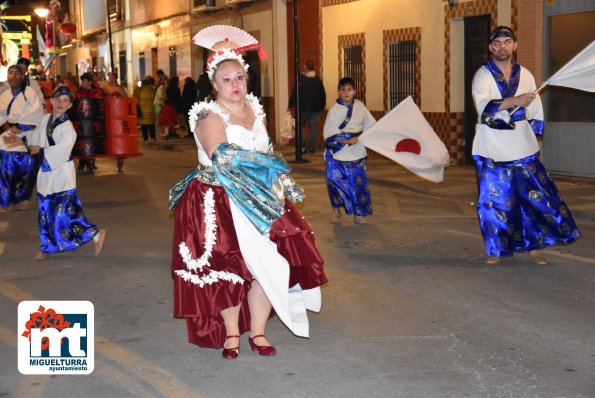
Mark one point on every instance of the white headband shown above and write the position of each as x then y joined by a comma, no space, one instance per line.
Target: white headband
224,55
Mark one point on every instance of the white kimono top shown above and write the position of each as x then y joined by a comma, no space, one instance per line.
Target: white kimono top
504,145
26,109
361,120
32,83
62,176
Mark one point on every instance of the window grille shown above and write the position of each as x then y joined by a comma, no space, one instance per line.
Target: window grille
142,65
353,67
401,69
122,66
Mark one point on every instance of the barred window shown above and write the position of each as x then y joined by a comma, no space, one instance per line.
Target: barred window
142,65
353,67
401,70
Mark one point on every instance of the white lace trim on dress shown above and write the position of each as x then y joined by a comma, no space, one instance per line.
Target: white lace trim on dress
195,266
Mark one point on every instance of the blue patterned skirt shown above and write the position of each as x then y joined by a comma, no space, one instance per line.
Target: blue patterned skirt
520,208
18,173
62,223
347,183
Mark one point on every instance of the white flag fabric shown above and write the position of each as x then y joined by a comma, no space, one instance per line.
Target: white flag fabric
43,55
579,72
405,136
45,58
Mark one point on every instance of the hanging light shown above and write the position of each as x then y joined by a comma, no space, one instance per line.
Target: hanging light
42,12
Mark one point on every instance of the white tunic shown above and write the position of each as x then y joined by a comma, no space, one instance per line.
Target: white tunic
62,176
504,145
32,83
26,109
361,120
268,267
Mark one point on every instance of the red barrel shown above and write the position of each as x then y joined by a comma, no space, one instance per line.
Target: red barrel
121,126
88,122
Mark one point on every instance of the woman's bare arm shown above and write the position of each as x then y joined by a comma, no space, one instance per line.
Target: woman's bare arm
210,130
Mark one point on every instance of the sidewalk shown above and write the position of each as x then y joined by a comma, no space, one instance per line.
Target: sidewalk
459,183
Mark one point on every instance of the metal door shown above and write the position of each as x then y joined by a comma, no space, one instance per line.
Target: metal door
477,31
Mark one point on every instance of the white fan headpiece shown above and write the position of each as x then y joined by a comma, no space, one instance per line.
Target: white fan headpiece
226,42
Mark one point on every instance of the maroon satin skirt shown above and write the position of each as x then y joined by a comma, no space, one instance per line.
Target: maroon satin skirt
201,306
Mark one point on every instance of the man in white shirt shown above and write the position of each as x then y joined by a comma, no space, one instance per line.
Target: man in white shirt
20,111
519,206
24,63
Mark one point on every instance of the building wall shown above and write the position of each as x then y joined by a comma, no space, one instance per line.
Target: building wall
441,29
372,17
147,11
530,36
170,32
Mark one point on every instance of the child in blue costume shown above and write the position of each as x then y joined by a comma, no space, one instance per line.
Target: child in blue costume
345,156
62,223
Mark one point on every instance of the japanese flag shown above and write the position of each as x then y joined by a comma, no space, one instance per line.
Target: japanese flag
578,73
405,136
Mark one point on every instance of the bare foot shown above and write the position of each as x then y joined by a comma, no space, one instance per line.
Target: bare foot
335,217
41,255
537,257
100,241
493,260
360,220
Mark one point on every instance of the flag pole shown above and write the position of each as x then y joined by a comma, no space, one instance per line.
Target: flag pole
534,92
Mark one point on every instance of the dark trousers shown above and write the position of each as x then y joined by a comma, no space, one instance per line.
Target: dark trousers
148,130
312,120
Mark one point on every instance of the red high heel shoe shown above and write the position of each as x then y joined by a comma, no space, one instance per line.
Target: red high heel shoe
267,350
231,353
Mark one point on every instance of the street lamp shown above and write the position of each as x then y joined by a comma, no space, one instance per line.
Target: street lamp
41,12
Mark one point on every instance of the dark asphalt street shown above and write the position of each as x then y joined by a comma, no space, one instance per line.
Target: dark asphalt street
411,309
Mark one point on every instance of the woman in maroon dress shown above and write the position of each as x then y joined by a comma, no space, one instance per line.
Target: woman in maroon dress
237,256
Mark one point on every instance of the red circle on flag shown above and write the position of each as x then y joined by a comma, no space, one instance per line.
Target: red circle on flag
408,145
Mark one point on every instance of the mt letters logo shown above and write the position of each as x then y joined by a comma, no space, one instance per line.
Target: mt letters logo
56,337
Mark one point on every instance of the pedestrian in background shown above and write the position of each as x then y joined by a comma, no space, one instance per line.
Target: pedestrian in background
112,88
168,119
312,103
146,117
160,98
188,99
203,85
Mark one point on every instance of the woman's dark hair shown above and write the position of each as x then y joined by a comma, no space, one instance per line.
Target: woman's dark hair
346,81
